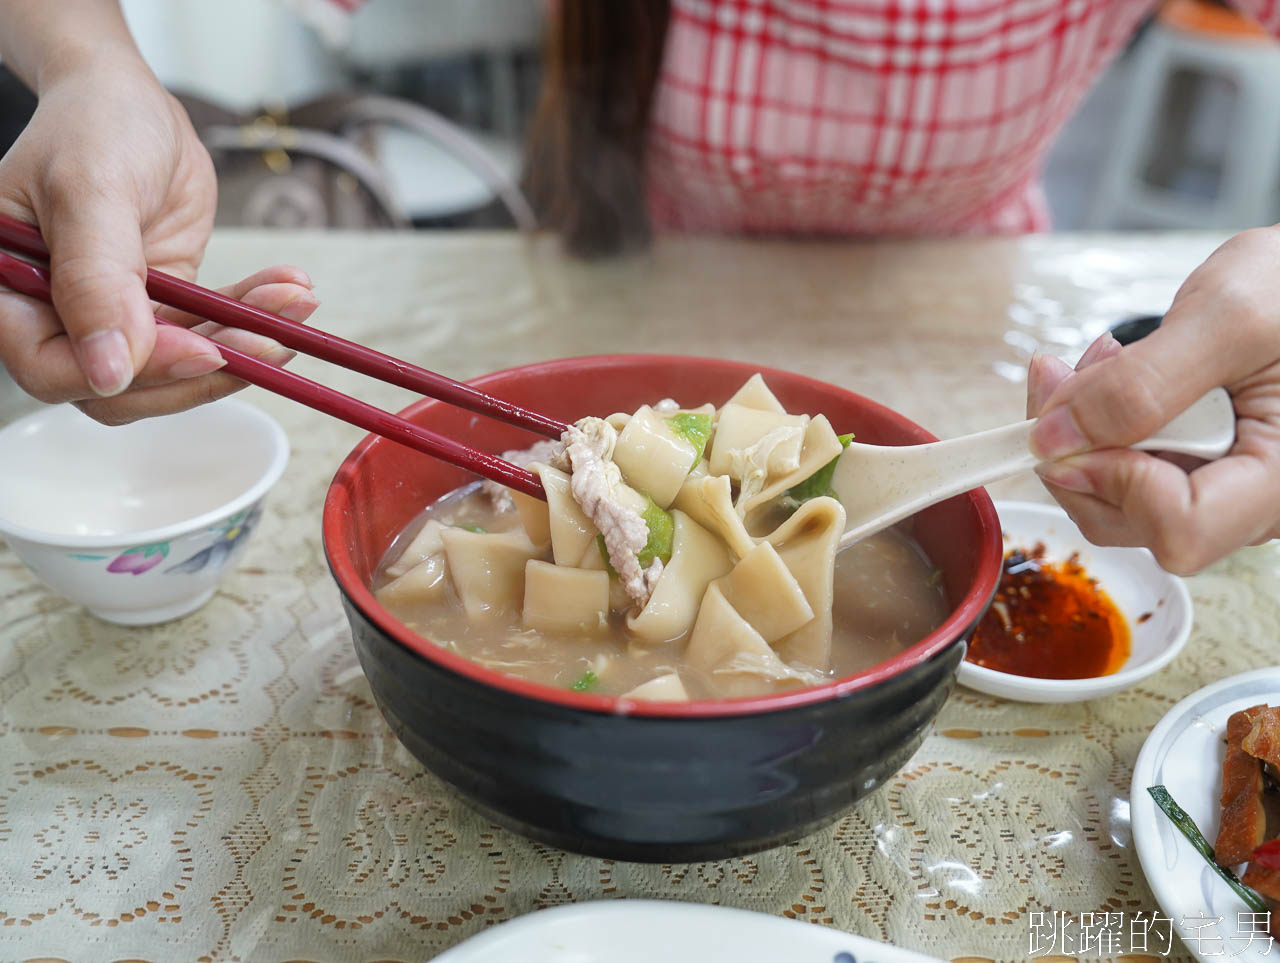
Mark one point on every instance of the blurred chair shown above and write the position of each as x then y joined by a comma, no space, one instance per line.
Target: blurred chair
1199,139
294,148
312,167
431,182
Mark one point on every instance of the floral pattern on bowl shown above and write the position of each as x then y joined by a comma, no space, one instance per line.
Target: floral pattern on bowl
141,559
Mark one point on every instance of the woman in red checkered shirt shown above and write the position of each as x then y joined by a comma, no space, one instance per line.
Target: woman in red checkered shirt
866,117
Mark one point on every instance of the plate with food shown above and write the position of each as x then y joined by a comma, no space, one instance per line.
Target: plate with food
1071,620
1204,805
638,931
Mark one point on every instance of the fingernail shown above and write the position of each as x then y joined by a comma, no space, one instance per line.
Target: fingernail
1066,475
107,362
279,356
300,308
196,365
245,341
1056,436
1101,346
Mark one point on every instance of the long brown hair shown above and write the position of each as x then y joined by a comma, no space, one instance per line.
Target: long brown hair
584,171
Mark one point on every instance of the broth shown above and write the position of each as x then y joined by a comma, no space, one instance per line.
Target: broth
887,596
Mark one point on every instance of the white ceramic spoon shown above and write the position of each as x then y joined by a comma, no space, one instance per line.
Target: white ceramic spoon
880,484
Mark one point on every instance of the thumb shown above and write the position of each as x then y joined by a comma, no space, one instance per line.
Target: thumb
1122,399
98,277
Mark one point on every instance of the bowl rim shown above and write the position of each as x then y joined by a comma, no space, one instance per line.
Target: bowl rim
268,478
966,612
990,681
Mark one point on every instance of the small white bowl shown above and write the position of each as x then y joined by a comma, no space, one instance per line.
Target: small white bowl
1133,580
137,522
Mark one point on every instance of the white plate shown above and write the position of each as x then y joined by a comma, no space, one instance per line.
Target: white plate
657,931
1129,575
1184,754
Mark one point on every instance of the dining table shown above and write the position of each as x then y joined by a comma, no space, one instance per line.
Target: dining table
223,787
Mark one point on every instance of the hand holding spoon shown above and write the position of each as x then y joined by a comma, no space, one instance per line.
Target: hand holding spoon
880,484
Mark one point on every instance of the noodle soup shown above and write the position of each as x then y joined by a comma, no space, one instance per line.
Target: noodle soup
682,553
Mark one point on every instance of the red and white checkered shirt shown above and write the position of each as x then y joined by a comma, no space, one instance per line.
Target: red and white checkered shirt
873,116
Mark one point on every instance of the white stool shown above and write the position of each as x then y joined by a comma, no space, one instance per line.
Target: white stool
1249,178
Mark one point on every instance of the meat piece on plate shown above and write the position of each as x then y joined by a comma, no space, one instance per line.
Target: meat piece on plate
1263,738
1244,820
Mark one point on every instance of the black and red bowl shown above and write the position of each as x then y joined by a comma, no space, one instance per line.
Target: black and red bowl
665,782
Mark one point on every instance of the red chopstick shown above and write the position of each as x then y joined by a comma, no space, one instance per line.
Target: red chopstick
193,299
33,281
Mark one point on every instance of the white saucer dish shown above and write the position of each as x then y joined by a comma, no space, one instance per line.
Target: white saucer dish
137,522
1156,605
645,931
1184,754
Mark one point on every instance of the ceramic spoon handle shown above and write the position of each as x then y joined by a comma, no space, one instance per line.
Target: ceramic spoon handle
879,486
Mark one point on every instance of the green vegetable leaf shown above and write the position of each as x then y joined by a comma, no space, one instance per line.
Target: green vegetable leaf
693,428
662,528
819,483
473,527
1186,825
585,681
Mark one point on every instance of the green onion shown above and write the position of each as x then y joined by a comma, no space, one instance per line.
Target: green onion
585,682
1187,826
473,527
693,428
819,483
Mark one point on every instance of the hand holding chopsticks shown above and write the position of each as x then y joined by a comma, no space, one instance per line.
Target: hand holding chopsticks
33,281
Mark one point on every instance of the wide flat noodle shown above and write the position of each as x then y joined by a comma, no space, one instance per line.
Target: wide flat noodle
733,655
697,557
708,500
561,599
807,542
664,688
535,516
425,583
652,457
426,543
765,593
570,529
488,570
756,394
751,446
820,446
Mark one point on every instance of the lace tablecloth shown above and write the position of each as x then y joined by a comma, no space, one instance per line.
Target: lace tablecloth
222,787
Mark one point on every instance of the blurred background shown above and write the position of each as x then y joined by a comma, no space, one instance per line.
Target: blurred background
397,118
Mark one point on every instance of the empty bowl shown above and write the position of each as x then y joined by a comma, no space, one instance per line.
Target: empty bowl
645,780
1155,604
137,522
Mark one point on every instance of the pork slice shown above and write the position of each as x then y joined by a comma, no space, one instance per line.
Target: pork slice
1266,882
597,487
1243,820
1263,737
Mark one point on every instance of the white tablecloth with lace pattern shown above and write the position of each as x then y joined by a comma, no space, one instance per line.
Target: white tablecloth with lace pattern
223,788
